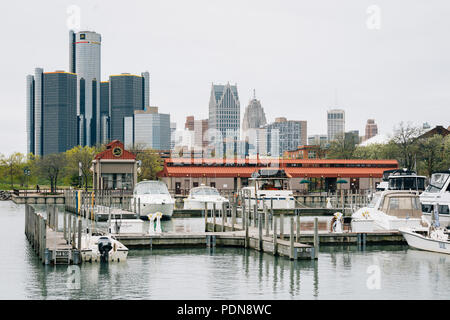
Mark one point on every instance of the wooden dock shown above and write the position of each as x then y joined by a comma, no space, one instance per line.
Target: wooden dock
51,246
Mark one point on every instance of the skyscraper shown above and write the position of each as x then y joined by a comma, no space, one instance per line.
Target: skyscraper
104,111
85,60
51,112
126,92
224,110
335,124
284,135
199,128
254,116
371,129
148,128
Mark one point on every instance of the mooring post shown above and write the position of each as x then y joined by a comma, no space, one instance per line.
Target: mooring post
271,209
291,238
69,229
255,214
223,216
233,215
281,226
65,225
297,226
316,238
275,237
214,217
206,216
74,228
79,233
246,232
266,220
260,232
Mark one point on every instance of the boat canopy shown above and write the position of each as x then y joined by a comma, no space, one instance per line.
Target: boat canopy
402,205
151,187
270,174
204,191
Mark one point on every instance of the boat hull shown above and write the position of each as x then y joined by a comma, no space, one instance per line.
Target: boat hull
420,242
165,208
190,204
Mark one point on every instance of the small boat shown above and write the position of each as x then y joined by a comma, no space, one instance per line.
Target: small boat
198,196
153,197
389,210
433,239
437,192
401,179
271,186
102,248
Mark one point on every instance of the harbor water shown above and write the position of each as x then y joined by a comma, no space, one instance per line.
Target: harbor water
341,272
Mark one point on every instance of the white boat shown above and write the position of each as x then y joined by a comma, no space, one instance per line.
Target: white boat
97,248
435,241
389,210
271,186
153,197
200,195
401,179
438,191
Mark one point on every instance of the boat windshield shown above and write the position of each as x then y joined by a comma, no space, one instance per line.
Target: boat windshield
402,206
437,182
406,183
204,192
151,187
270,184
374,201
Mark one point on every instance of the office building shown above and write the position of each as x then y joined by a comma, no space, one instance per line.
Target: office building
104,111
224,111
371,129
51,112
254,116
335,124
317,140
148,128
173,129
199,128
284,135
85,61
126,95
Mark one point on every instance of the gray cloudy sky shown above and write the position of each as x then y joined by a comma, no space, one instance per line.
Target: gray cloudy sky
296,54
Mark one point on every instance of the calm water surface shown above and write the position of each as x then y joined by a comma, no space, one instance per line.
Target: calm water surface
222,273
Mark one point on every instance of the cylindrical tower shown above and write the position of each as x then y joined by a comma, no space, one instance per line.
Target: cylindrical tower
85,59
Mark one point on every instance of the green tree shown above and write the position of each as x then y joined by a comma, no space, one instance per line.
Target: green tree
405,138
79,160
341,148
51,167
12,166
151,162
430,154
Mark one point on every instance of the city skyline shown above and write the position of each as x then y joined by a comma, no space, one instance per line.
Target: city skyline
309,82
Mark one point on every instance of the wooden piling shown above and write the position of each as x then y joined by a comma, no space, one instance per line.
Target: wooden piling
275,237
316,238
291,238
246,232
79,233
74,226
233,215
206,216
266,220
260,233
297,228
214,217
65,225
223,216
282,226
139,209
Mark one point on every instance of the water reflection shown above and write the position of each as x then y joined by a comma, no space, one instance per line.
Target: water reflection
221,273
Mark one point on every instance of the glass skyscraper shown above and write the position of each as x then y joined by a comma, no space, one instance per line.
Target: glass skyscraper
225,110
85,61
51,112
335,124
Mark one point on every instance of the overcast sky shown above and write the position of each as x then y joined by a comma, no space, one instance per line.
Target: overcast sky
297,54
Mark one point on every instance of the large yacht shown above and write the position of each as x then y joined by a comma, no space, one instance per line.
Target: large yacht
389,210
437,192
200,195
401,179
154,197
270,186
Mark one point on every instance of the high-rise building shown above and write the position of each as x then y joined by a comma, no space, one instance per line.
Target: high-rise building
104,111
317,139
126,94
371,129
335,124
254,116
224,111
352,137
85,60
148,128
287,134
199,127
51,112
173,130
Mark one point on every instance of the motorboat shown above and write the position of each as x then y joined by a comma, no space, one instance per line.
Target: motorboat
153,196
434,238
401,179
438,191
198,196
102,248
389,210
271,187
